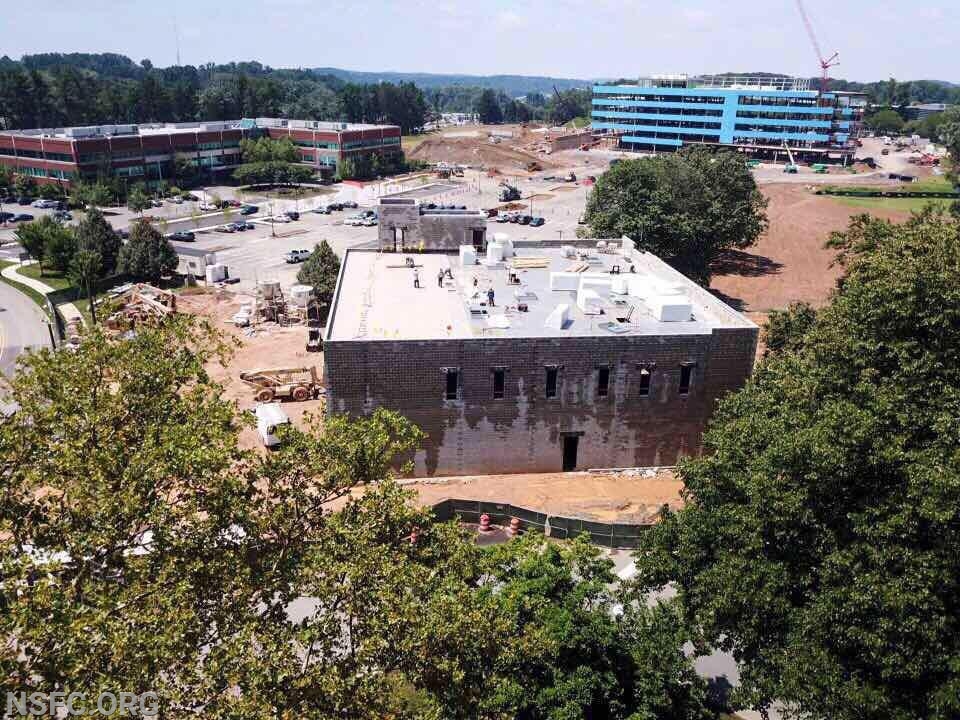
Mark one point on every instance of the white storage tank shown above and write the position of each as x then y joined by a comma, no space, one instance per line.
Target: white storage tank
269,288
300,295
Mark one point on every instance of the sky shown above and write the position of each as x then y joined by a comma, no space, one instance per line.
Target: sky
876,39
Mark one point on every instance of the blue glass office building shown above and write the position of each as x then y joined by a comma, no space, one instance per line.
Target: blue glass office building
758,115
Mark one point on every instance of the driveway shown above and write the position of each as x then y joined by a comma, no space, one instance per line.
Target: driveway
22,326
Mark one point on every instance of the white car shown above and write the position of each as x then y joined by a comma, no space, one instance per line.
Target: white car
369,222
208,207
279,219
354,220
44,203
296,256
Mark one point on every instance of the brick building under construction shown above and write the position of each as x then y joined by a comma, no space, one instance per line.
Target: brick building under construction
529,358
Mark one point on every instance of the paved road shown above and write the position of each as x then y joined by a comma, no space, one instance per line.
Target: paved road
22,326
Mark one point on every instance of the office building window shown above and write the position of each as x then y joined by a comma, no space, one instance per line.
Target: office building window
645,376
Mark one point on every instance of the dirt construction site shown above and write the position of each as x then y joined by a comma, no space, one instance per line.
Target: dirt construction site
789,263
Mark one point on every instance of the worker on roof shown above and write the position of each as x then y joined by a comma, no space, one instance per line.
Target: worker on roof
416,278
440,278
490,297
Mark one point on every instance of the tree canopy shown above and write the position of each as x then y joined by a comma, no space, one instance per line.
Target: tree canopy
273,585
886,120
687,207
146,255
819,539
320,271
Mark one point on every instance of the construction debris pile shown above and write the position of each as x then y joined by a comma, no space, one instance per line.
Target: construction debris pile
135,304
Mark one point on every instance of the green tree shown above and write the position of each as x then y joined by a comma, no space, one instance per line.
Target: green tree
94,233
137,199
886,121
46,239
86,271
97,195
688,207
320,271
146,255
567,655
24,185
818,541
784,329
118,516
488,108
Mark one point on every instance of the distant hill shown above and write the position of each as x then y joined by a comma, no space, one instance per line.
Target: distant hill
514,85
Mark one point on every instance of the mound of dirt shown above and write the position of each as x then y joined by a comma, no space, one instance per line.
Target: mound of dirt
477,151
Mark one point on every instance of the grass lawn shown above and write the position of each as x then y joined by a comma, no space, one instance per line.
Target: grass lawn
901,204
28,291
58,281
930,184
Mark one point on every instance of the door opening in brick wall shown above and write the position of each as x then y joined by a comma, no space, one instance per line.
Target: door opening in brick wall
480,240
570,445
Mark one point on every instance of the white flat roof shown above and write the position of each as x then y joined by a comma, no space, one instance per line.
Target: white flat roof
376,298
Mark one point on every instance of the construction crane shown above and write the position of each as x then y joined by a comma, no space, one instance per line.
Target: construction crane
825,62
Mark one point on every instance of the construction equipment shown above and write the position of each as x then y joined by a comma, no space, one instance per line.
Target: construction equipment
819,168
792,167
508,192
298,384
825,62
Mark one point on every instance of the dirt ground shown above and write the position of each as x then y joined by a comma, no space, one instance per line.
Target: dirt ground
472,146
789,263
613,497
267,346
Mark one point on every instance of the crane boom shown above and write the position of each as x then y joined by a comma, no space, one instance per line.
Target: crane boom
825,62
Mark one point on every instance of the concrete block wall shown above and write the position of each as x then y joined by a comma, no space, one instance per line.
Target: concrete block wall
522,432
429,231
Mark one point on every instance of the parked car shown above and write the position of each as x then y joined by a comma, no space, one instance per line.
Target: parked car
525,219
241,225
335,206
208,207
156,203
190,196
6,217
44,204
24,200
322,210
349,204
502,218
292,214
279,219
369,222
234,203
354,220
537,222
62,216
176,200
228,228
182,236
22,217
514,218
249,210
296,256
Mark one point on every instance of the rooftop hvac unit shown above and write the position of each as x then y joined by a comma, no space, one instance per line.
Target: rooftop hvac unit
468,255
558,318
269,288
589,302
564,280
670,308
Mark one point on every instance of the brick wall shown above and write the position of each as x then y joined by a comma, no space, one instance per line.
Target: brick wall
523,431
431,231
